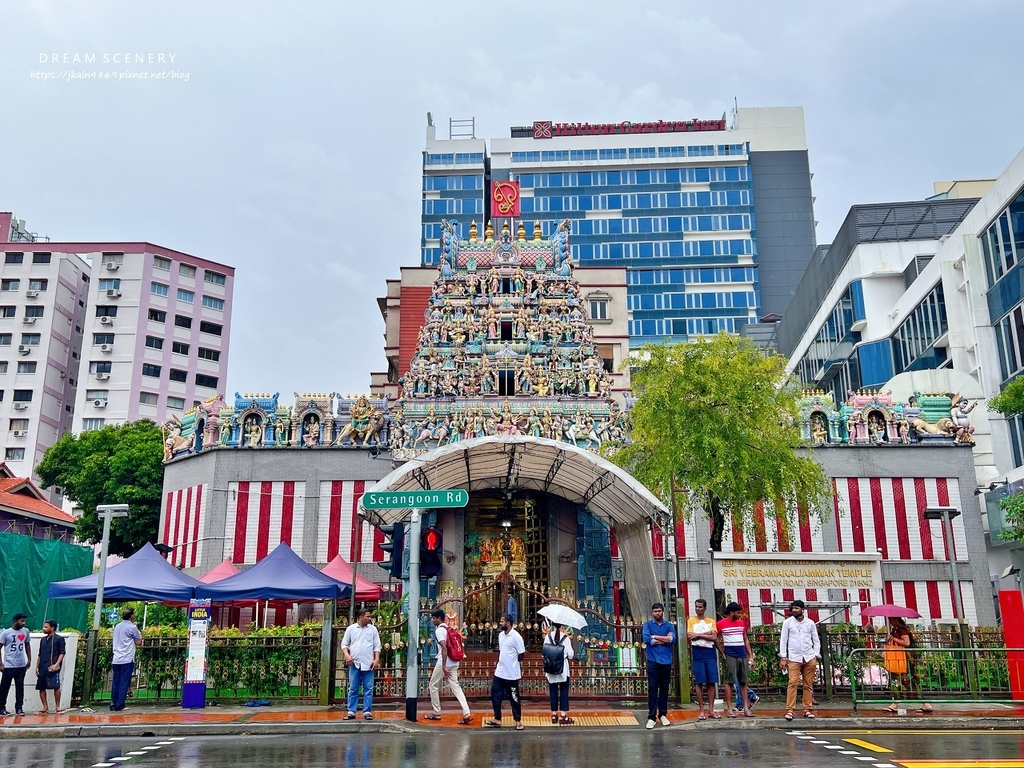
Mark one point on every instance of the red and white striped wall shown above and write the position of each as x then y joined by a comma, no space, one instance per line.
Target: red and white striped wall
868,514
262,514
182,524
340,530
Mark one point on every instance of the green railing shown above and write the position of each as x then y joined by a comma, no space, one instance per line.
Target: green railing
935,674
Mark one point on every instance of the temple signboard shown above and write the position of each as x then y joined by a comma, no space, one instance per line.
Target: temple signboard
798,570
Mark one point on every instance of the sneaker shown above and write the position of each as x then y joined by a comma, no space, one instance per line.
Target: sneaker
753,700
19,712
650,725
350,716
367,716
4,712
665,720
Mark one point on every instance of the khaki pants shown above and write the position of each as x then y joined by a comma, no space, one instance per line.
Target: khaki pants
437,678
801,673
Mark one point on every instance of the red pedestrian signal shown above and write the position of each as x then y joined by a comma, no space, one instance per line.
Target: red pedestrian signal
431,549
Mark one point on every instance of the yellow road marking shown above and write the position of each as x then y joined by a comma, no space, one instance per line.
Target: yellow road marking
957,732
961,763
866,745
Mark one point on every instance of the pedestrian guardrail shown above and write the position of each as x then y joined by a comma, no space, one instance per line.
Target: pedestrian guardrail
943,675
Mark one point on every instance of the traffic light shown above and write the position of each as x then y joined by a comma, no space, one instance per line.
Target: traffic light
431,550
393,549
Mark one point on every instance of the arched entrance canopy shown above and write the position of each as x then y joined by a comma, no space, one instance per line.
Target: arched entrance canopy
527,463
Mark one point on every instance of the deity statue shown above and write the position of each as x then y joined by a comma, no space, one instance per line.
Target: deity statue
281,430
225,424
365,422
960,408
819,432
253,432
311,436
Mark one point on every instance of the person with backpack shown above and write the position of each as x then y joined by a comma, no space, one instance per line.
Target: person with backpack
449,653
557,650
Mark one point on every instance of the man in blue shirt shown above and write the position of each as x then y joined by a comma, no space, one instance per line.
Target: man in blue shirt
660,641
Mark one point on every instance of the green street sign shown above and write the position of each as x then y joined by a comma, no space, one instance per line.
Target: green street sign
407,499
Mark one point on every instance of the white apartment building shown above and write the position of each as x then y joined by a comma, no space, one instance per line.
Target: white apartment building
42,310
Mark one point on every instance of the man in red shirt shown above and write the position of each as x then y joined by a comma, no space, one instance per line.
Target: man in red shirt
735,646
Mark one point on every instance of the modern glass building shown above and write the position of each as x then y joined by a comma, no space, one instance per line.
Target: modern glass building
714,223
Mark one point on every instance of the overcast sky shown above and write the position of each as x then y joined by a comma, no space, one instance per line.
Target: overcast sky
292,150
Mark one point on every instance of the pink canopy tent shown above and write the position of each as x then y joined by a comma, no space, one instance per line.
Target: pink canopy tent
341,571
222,571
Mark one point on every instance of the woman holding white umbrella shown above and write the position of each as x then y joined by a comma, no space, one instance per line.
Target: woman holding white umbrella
558,651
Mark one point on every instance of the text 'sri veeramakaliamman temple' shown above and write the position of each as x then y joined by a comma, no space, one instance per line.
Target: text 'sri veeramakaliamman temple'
505,379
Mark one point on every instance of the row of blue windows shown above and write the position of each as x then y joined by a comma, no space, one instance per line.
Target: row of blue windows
624,153
694,326
718,300
690,276
458,158
733,222
648,176
919,332
611,202
467,205
446,183
662,250
583,228
834,331
1003,242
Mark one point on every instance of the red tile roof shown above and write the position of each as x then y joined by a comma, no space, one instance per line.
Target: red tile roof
19,494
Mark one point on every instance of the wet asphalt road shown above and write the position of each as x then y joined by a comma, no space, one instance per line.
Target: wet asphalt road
540,749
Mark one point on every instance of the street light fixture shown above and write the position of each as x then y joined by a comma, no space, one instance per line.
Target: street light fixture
947,515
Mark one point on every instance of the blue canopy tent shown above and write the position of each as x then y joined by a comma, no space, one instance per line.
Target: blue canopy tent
281,575
143,576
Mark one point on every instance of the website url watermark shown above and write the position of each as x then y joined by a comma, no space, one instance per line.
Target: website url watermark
70,75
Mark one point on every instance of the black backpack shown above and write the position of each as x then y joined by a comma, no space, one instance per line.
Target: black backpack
554,658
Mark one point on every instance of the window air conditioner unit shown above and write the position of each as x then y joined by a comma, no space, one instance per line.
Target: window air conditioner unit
28,320
20,406
106,348
32,294
113,293
105,320
23,349
102,376
19,433
112,266
99,403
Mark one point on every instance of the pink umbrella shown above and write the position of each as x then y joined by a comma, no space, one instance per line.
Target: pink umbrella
340,570
222,571
888,610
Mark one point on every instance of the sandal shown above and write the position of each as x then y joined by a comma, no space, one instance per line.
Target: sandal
732,713
702,716
749,713
809,714
492,723
894,708
566,720
554,719
466,720
520,727
789,715
715,716
432,717
926,708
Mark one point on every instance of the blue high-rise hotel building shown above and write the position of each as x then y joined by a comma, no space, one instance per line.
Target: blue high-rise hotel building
713,219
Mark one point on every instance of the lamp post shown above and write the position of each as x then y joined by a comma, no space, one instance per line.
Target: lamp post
107,512
946,515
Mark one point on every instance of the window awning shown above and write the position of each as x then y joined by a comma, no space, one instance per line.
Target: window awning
526,463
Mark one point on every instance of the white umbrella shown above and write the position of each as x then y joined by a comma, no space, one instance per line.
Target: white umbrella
564,615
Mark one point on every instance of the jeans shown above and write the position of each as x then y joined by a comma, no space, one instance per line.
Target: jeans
658,678
357,678
559,696
120,684
502,689
17,676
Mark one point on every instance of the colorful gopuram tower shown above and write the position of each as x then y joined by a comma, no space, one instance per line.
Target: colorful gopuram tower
506,348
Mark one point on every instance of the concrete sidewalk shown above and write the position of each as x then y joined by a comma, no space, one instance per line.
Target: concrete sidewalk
150,720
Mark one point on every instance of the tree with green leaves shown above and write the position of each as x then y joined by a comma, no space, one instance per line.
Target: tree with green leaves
120,464
716,418
1010,402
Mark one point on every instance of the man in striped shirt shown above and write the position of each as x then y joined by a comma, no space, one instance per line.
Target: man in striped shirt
735,646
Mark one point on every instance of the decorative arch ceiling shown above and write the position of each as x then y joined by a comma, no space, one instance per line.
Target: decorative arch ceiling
525,463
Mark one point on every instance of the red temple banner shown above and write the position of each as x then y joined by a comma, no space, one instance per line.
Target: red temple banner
504,199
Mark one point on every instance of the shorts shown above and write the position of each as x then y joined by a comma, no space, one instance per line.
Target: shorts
705,670
736,670
48,681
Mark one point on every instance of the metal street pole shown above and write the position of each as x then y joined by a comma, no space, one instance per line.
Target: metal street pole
106,511
412,668
947,527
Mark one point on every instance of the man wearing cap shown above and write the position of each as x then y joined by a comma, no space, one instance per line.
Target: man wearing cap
15,658
799,649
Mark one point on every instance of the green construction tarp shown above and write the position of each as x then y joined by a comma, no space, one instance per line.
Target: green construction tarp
27,566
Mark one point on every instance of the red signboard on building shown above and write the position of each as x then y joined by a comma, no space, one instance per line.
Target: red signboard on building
504,199
546,129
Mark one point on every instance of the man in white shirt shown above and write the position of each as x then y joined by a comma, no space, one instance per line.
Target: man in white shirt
126,639
445,669
799,650
361,646
507,674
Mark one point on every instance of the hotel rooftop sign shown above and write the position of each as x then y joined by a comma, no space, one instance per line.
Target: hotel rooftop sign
546,129
798,570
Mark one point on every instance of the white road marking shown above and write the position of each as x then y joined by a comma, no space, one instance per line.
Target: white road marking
175,738
135,753
849,752
866,759
103,765
819,741
833,746
120,759
150,748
